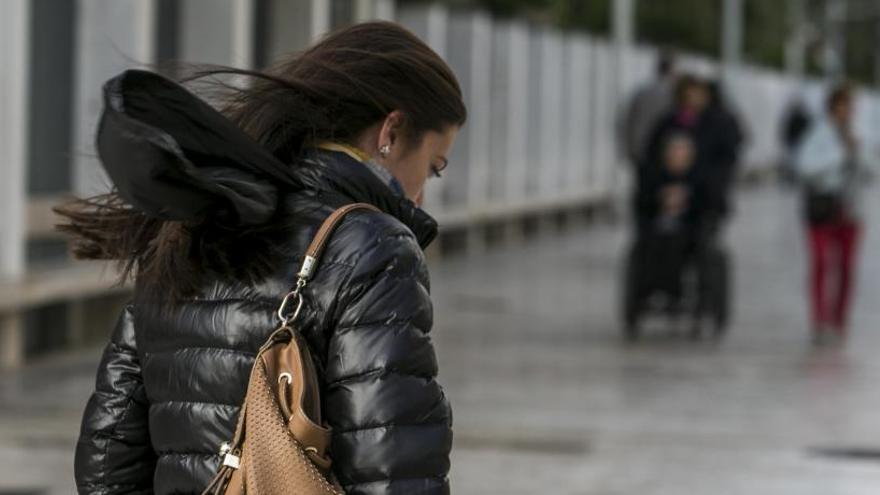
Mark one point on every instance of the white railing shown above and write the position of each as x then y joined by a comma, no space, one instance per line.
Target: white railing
542,106
540,137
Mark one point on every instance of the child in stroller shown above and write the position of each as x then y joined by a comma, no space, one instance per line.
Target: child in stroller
675,263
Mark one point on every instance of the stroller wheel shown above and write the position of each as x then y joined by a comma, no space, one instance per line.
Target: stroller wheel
719,330
631,332
632,300
696,332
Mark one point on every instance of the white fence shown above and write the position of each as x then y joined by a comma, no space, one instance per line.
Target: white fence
543,104
55,56
539,138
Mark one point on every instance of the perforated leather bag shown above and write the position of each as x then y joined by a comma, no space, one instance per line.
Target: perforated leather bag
280,444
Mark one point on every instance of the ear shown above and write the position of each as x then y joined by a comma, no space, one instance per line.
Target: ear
391,130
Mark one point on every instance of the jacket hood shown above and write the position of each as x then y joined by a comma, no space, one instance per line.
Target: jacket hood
173,156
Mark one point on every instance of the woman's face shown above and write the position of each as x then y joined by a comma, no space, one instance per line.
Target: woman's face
412,164
415,166
842,112
695,98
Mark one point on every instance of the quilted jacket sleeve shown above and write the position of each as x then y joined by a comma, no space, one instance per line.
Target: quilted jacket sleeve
391,420
113,454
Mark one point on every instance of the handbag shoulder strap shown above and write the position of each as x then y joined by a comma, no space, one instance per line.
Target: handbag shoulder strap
313,253
312,256
232,450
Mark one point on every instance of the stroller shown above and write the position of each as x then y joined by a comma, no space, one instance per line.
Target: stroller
677,273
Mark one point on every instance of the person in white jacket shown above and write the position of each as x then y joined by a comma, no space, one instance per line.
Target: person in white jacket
833,163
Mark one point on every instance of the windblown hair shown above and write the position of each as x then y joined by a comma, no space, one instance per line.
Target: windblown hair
336,89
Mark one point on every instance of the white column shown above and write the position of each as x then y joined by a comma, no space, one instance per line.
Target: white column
623,23
243,13
478,103
368,10
577,152
144,31
470,50
732,37
296,24
217,32
550,116
517,164
320,18
623,28
11,340
14,51
509,123
431,24
385,10
835,50
509,112
796,44
533,102
206,31
363,10
604,167
112,35
459,48
15,22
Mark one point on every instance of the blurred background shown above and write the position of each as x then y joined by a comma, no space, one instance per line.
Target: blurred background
533,276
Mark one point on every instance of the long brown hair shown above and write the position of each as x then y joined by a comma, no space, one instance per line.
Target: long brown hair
335,90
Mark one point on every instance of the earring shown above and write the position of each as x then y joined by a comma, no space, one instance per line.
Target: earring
384,150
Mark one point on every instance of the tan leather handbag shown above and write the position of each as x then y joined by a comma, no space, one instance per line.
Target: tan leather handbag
280,445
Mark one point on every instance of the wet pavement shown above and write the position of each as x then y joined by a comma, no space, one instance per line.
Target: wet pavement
548,399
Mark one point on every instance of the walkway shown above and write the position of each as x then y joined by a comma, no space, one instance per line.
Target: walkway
547,399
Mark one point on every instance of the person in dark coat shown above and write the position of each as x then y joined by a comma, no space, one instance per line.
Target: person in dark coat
715,131
793,126
727,134
211,214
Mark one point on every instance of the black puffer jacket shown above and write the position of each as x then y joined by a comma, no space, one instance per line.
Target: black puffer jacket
169,387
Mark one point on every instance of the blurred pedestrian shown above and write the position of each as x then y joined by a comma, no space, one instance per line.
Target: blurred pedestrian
680,117
646,107
793,126
689,104
833,164
212,214
728,134
716,132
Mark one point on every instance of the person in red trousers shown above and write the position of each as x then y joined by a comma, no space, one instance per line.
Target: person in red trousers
834,164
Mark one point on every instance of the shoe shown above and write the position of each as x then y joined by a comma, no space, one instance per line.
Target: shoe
838,335
828,337
821,336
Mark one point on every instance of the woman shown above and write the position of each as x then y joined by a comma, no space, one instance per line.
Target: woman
212,222
832,162
701,113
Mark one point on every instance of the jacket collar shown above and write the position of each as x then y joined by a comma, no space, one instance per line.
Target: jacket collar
339,179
